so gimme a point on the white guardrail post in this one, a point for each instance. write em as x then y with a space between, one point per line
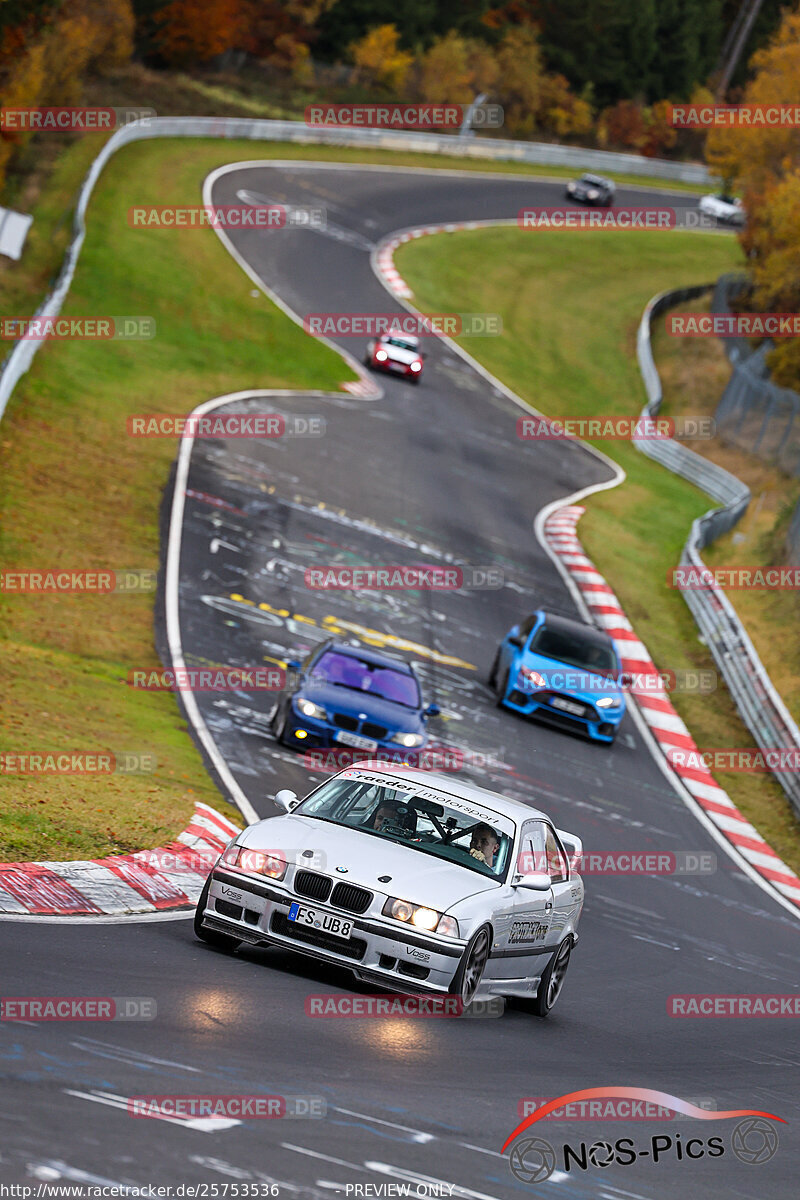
758 703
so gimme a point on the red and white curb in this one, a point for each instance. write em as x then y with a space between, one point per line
383 258
149 881
361 387
661 718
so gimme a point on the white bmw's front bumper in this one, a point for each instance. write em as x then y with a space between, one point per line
255 910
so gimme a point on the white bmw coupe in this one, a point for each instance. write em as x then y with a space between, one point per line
419 882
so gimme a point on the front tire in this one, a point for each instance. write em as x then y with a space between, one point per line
552 981
502 689
213 937
279 726
470 970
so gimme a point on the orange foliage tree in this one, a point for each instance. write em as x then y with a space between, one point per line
193 31
764 162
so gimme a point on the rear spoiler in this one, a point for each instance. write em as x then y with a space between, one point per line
574 848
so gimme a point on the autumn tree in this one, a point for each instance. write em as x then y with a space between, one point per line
194 31
519 58
446 76
378 59
280 32
764 163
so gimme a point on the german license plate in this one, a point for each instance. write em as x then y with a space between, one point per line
317 918
567 706
397 366
353 739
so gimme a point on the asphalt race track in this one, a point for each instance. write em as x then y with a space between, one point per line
428 474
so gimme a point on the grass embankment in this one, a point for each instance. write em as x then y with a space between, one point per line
570 307
694 373
77 492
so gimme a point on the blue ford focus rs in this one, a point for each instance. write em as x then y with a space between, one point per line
350 696
562 672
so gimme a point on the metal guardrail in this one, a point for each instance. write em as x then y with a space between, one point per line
491 149
758 703
755 413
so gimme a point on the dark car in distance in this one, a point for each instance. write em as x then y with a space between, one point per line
592 189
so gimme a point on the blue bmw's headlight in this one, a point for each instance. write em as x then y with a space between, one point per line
309 709
408 739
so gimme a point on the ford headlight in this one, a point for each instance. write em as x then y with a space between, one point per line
309 709
420 916
408 739
609 702
528 678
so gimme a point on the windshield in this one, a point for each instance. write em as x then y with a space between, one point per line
401 343
575 651
593 181
447 827
348 671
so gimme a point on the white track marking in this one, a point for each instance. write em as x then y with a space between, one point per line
201 1124
481 1149
122 1054
340 1162
418 1134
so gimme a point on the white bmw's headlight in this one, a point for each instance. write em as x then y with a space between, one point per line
309 709
408 739
609 702
420 916
271 863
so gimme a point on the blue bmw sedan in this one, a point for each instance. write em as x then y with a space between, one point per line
351 696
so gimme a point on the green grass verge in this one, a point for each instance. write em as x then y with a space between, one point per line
694 373
570 306
76 491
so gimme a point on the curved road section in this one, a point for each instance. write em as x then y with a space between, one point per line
431 474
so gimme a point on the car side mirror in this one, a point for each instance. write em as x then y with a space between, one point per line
536 881
625 680
432 710
293 664
286 799
515 638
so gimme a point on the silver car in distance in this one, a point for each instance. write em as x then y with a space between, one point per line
415 881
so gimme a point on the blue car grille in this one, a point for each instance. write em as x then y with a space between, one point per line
353 725
374 731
